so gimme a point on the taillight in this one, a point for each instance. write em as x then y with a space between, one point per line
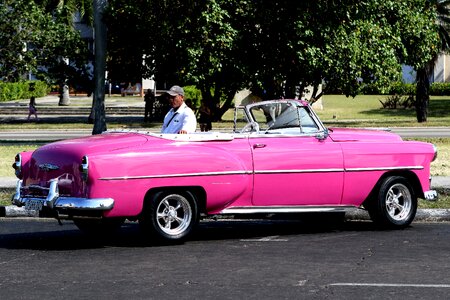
84 168
17 165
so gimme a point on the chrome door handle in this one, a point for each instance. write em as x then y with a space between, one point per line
259 146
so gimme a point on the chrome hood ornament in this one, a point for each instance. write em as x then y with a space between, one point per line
48 167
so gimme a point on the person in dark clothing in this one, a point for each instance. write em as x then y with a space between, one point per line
149 99
32 108
204 118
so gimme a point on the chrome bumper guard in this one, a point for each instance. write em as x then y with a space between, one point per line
54 201
431 195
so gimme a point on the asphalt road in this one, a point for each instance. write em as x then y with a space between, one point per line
412 132
226 259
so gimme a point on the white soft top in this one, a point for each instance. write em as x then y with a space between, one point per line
190 137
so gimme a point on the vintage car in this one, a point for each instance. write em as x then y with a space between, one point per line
278 159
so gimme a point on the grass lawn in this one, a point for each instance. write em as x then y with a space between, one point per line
7 154
366 111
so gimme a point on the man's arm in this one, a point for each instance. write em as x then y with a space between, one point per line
189 123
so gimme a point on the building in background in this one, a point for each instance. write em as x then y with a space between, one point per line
441 71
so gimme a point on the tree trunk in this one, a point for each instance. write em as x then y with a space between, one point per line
290 88
99 67
422 94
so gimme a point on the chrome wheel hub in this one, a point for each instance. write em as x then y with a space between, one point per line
399 202
174 214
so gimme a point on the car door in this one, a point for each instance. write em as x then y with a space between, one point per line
295 166
297 171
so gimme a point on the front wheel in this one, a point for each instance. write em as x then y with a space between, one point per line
395 205
171 216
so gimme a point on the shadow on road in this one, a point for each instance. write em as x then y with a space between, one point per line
49 236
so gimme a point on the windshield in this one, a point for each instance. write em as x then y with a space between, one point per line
283 117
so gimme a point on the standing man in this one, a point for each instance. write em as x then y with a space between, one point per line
149 99
180 118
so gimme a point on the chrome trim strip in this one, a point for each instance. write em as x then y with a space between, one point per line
299 171
48 167
261 172
179 175
384 168
283 209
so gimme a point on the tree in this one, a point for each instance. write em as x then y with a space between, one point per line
275 47
36 37
183 42
68 69
424 71
348 45
99 67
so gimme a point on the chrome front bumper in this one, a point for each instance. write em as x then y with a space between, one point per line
56 202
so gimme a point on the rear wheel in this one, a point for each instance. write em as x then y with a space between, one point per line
170 216
395 205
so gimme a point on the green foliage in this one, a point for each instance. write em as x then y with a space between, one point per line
35 41
276 48
401 88
440 89
441 11
193 94
21 90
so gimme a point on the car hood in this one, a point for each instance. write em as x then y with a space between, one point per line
106 142
361 135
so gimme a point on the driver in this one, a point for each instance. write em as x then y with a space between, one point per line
180 118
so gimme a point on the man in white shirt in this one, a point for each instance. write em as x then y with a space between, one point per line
180 118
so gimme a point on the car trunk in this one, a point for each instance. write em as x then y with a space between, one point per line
62 160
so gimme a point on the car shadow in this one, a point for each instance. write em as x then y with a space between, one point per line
68 237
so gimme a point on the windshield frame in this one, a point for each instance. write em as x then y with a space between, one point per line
321 129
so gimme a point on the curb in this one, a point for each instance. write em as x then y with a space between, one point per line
422 215
12 211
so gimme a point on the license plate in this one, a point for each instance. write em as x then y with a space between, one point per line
34 204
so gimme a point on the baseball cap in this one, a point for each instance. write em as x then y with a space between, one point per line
176 90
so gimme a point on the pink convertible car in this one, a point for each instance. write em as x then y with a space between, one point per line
279 159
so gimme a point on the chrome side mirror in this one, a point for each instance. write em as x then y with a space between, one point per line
322 135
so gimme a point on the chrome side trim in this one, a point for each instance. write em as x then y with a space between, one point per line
262 172
283 209
384 168
179 175
299 171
